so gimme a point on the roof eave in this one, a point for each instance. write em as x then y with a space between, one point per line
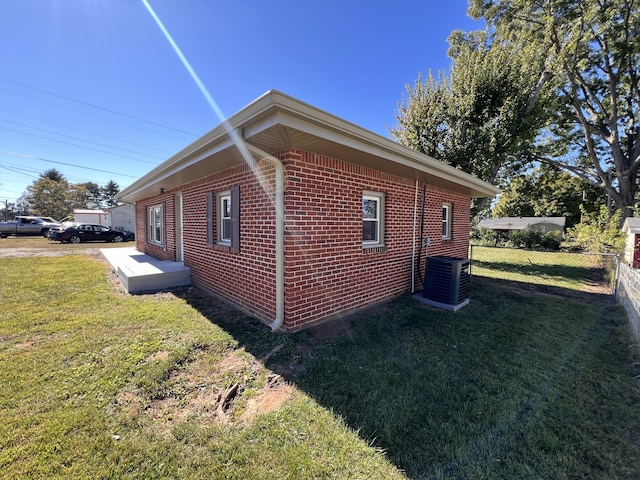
274 107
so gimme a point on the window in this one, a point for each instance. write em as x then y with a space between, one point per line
155 225
446 221
224 218
372 219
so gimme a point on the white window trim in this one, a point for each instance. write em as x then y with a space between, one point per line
446 221
379 198
151 225
220 197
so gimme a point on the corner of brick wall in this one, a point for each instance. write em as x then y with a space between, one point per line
327 271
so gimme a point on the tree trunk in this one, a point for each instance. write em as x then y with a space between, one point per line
628 185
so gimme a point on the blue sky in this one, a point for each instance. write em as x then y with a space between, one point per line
95 84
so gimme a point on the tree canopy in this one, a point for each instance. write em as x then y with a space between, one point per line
548 192
52 195
480 116
591 53
553 82
483 114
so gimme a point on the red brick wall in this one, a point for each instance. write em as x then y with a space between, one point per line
246 278
327 271
458 245
168 250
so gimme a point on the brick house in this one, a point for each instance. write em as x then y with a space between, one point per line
295 216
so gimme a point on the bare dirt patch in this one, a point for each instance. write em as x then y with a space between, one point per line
275 393
234 388
158 356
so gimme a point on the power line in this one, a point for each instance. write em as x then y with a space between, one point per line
81 102
9 191
22 155
79 139
92 115
97 134
32 173
37 173
21 171
78 146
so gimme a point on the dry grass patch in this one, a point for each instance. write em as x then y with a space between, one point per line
224 390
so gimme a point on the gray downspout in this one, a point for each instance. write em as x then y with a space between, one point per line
413 250
279 201
423 242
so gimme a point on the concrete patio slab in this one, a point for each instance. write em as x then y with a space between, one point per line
139 272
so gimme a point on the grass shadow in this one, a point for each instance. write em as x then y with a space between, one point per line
551 271
577 271
595 293
445 394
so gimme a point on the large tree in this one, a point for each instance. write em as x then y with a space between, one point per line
592 64
94 198
482 114
548 192
52 195
108 194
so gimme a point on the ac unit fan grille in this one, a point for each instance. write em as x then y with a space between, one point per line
446 280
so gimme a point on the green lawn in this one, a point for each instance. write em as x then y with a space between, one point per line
574 271
98 384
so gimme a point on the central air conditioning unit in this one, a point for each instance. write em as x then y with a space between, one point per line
446 282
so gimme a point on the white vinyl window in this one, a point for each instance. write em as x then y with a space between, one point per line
224 218
446 221
155 225
372 219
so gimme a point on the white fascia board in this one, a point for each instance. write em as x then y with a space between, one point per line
174 165
274 107
355 137
176 162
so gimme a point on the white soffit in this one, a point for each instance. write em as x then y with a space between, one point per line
276 121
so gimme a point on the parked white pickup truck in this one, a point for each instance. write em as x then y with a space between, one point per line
28 226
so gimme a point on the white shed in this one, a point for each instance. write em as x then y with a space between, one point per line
123 217
508 224
97 217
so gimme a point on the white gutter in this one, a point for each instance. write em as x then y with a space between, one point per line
279 204
275 108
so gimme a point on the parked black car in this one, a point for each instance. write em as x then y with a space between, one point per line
74 232
129 236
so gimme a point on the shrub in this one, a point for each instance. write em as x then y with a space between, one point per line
530 238
599 233
489 238
551 241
